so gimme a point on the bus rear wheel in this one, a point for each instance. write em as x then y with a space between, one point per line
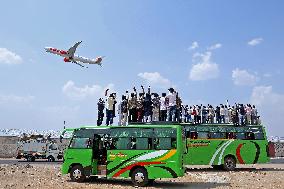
77 173
139 177
229 163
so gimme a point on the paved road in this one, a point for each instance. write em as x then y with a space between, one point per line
277 160
15 161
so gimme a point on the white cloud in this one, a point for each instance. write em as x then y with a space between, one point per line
243 77
204 68
215 46
267 75
271 108
5 99
255 41
80 93
193 46
9 57
155 78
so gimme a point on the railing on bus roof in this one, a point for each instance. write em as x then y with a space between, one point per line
155 123
221 124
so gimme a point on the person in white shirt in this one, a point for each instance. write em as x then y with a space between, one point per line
124 110
248 114
222 113
109 109
163 108
230 114
254 114
226 114
211 114
171 111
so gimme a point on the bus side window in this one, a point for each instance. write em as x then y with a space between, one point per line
187 134
132 144
193 135
80 143
143 143
230 135
123 143
202 135
216 135
164 143
173 143
259 136
250 136
240 136
113 144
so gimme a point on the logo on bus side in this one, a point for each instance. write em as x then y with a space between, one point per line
198 143
112 156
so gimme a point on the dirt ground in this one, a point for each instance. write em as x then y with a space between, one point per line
47 176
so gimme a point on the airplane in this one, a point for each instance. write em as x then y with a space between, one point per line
69 56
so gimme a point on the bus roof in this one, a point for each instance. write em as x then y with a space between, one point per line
160 124
131 126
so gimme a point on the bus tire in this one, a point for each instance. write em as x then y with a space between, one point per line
139 177
229 163
77 174
50 158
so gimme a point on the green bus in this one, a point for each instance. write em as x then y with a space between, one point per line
225 145
142 152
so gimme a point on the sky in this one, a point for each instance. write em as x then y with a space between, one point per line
209 51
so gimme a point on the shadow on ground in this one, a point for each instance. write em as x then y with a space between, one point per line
236 170
157 184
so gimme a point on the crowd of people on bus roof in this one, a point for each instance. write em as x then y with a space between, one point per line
147 107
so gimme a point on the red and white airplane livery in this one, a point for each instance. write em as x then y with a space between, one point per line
69 56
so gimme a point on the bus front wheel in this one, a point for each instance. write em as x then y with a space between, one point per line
77 173
139 177
229 163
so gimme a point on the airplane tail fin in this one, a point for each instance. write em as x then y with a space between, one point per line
99 60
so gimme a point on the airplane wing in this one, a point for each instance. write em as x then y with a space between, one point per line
72 50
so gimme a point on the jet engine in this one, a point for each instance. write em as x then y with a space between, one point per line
66 59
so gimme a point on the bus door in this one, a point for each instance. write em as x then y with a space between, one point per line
99 155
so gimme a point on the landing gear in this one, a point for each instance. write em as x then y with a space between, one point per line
78 64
